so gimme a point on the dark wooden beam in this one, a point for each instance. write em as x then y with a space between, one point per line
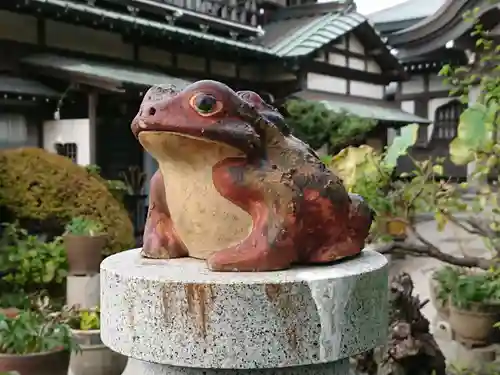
345 52
423 95
347 73
40 31
347 57
92 113
173 71
135 52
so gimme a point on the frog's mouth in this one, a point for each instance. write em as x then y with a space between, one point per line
238 135
171 146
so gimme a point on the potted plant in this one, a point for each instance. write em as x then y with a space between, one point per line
35 342
442 282
473 309
94 358
84 240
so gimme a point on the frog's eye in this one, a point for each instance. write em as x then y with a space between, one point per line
205 104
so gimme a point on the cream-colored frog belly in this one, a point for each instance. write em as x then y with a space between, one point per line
204 220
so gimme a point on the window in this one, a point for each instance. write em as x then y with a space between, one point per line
70 150
13 129
446 120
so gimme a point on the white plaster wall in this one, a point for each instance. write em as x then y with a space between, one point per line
414 86
436 83
69 131
373 67
367 90
355 45
336 59
321 82
355 63
408 106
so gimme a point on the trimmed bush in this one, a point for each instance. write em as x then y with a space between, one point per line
48 190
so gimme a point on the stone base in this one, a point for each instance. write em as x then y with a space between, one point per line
178 313
83 291
137 367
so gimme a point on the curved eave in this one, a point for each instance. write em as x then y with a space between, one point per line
433 43
448 15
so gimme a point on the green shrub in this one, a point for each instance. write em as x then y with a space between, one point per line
48 189
36 263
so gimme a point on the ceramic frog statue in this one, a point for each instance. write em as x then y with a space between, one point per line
236 188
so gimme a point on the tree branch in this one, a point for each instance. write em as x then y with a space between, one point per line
427 249
414 249
469 228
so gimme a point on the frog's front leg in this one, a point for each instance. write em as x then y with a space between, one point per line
258 251
160 240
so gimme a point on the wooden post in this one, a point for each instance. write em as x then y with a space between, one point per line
92 109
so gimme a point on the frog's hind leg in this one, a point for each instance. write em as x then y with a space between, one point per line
160 240
255 253
349 242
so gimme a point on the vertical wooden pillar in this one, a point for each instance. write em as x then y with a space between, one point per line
92 112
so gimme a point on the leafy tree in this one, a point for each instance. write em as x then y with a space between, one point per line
476 141
315 124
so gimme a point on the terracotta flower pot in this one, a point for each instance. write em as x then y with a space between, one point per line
396 228
95 358
473 325
393 227
442 307
49 363
84 253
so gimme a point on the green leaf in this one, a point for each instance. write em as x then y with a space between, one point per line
441 221
460 153
473 134
438 169
400 145
353 162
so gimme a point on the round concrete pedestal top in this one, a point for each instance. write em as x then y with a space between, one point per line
177 312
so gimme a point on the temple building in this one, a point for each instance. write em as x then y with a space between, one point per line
73 72
425 35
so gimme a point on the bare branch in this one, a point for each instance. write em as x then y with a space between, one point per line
414 249
469 228
427 249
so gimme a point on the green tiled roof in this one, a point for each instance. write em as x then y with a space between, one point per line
103 71
160 26
316 34
23 86
374 111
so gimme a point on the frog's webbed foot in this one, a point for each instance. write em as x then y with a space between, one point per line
160 240
256 252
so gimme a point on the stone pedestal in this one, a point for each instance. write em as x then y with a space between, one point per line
177 317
